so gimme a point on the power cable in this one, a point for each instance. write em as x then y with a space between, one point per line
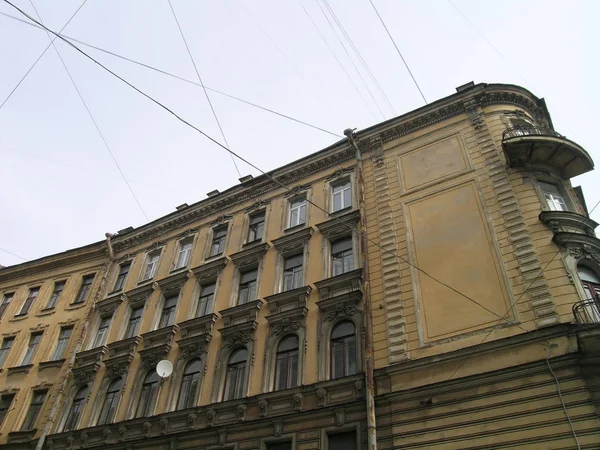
13 254
40 57
164 72
520 297
274 44
338 60
212 108
270 177
91 115
399 52
351 60
360 57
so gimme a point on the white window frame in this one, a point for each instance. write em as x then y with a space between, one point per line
340 182
180 249
148 260
553 196
290 209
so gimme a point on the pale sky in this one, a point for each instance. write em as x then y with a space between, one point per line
61 188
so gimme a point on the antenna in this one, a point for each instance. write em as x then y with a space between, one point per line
164 368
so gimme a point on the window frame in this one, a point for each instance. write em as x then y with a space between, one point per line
153 400
243 379
63 353
6 354
290 202
293 272
240 282
179 249
132 309
332 186
200 296
147 261
6 409
83 294
39 407
289 366
33 353
120 286
260 213
54 297
101 319
346 352
213 238
75 415
29 301
172 317
7 299
118 395
332 255
191 391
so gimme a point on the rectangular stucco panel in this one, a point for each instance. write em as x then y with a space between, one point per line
452 242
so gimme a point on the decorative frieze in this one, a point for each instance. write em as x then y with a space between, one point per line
250 256
110 304
209 272
157 344
87 364
293 243
138 296
340 226
174 283
120 354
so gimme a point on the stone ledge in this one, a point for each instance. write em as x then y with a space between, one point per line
19 369
51 364
209 271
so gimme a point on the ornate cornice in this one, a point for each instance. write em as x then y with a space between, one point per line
139 295
346 282
121 353
198 326
340 225
568 221
110 304
286 300
250 256
174 283
293 242
209 272
248 312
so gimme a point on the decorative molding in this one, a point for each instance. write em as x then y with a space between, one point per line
157 344
51 364
221 220
263 405
187 233
250 256
580 246
287 300
292 243
568 222
241 411
139 295
19 369
209 272
298 400
277 428
110 304
244 313
341 284
340 173
87 364
260 204
297 191
340 225
120 354
174 283
198 326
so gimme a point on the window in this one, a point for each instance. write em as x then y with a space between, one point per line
148 395
218 240
5 402
206 300
34 342
33 293
236 373
133 326
256 228
59 286
342 256
297 213
591 283
342 441
285 445
247 291
76 409
286 365
84 290
151 265
7 344
292 272
167 315
111 401
554 199
122 276
102 332
189 385
5 302
341 195
37 401
343 350
184 254
62 344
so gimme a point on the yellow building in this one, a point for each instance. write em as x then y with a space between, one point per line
429 282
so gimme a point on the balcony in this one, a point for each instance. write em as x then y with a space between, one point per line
544 146
587 312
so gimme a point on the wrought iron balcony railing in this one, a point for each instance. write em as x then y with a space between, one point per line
529 131
587 311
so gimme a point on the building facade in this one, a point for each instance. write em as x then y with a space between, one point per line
429 282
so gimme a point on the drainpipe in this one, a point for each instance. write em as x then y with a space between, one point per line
368 315
88 318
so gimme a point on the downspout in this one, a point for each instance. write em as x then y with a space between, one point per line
368 315
88 318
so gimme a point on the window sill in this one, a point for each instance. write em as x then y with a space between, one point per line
50 364
340 212
295 228
19 369
18 318
143 282
179 269
74 306
46 312
211 257
254 242
15 437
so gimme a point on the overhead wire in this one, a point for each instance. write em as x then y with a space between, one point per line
351 60
337 59
398 51
13 254
169 74
359 55
288 60
516 302
270 177
10 94
212 108
91 116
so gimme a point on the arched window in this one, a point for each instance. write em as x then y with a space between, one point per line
591 283
76 409
148 395
189 385
236 374
286 363
111 401
343 350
